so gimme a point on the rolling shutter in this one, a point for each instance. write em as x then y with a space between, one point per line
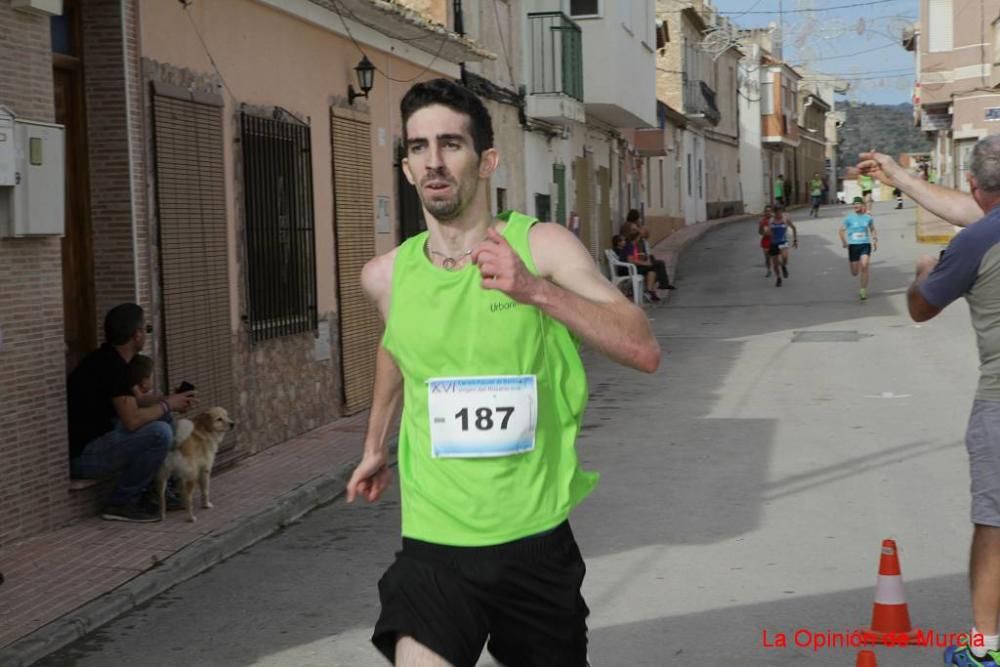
191 210
360 327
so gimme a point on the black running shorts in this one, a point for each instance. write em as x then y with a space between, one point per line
855 250
523 597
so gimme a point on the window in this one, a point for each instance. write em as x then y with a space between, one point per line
689 174
766 98
579 8
543 207
940 26
501 200
280 229
661 183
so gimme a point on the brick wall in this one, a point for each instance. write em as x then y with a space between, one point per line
110 169
32 404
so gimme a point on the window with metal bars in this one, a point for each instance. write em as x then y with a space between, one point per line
280 227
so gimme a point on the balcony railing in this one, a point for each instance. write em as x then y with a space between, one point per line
699 100
556 54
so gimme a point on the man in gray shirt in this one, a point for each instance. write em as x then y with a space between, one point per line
970 267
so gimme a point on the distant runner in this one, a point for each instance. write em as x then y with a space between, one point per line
778 250
815 194
779 190
866 183
765 237
858 235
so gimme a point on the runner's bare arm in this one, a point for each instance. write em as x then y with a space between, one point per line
371 477
573 291
958 208
843 237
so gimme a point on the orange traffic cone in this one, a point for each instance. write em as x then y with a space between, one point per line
866 659
890 616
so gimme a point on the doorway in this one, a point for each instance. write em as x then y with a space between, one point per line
79 301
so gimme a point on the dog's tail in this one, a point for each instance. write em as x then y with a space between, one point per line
182 431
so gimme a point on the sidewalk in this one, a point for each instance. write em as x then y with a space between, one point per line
64 584
670 248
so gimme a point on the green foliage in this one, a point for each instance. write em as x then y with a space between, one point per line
888 128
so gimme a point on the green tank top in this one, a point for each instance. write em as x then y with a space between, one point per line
443 324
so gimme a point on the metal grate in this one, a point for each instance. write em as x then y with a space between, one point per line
828 336
280 227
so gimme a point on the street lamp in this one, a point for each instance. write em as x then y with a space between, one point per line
366 77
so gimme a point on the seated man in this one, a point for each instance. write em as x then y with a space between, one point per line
110 430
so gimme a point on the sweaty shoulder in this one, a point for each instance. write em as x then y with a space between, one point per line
552 244
376 280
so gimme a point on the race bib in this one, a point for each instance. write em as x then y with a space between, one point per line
476 417
859 236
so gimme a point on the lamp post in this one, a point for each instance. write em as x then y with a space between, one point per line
366 77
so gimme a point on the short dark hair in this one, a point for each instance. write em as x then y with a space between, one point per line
121 323
616 238
140 368
632 216
456 97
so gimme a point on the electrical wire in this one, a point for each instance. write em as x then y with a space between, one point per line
821 9
207 52
444 40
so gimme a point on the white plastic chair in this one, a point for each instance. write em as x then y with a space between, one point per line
632 275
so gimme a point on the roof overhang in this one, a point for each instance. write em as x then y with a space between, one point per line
402 23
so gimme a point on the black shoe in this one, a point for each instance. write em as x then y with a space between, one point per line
784 270
153 504
670 287
778 284
132 513
653 296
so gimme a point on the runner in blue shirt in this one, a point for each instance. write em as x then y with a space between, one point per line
858 235
777 230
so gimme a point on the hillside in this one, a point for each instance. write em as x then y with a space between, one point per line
887 128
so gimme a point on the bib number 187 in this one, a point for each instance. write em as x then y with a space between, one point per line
483 420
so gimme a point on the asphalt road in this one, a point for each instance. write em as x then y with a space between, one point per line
746 486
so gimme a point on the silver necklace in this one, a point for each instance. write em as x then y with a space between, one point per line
447 262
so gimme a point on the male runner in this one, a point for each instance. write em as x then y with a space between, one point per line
779 190
867 184
815 194
858 236
765 237
778 250
482 320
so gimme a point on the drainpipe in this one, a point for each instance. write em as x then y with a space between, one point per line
456 9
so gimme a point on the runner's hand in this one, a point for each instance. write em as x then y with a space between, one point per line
502 269
795 243
880 166
370 478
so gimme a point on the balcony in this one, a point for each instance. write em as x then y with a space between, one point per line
555 84
699 103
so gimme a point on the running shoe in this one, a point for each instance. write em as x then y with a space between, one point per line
863 293
653 296
963 657
778 284
784 270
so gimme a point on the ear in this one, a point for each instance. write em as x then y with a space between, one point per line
406 171
488 162
204 421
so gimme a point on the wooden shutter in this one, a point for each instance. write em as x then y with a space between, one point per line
354 227
191 209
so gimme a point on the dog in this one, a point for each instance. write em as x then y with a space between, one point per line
192 456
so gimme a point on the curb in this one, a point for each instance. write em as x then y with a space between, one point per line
186 563
673 251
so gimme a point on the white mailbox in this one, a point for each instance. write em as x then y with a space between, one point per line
35 204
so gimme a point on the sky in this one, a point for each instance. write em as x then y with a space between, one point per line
832 41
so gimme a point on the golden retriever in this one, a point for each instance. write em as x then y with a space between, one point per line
191 458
